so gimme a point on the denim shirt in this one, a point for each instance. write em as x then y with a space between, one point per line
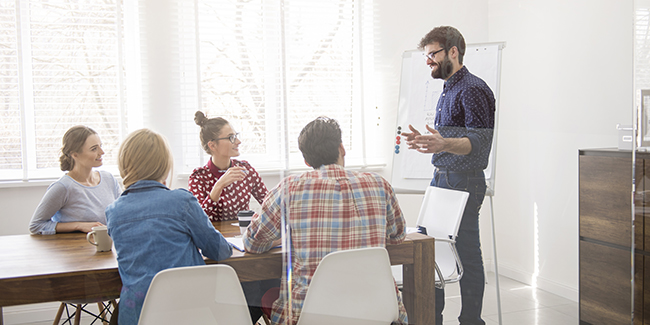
155 228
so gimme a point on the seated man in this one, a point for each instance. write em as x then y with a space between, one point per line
328 209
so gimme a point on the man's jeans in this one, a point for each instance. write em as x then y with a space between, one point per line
468 245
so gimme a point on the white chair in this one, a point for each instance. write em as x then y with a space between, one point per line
351 287
441 213
209 294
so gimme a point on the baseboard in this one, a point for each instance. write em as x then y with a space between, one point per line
542 283
30 313
45 312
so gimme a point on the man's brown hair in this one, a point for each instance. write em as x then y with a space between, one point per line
319 142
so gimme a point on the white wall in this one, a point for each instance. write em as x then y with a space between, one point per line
566 81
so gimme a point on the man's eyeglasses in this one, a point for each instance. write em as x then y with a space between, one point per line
232 138
431 55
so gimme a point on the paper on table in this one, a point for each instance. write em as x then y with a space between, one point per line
236 243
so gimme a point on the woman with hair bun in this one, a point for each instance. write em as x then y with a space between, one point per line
224 185
76 201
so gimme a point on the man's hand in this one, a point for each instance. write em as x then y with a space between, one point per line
429 143
410 137
435 143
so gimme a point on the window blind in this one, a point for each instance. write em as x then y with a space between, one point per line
62 67
10 127
270 67
75 73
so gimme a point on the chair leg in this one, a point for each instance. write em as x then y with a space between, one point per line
77 315
114 313
57 319
102 312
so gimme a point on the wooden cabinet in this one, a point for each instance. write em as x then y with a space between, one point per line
605 212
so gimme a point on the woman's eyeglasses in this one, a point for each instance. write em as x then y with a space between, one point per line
232 138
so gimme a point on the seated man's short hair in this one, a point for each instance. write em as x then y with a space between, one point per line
319 142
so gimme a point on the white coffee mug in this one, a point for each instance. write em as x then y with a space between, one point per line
100 238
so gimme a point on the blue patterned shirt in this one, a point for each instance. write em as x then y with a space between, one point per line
465 109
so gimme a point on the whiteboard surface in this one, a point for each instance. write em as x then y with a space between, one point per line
419 93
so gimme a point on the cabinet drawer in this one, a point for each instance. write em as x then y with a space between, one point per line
605 296
605 199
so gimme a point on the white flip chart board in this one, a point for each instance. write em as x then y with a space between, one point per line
418 96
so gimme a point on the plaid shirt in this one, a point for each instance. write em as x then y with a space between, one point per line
330 209
234 198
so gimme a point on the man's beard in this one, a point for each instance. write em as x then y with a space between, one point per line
444 69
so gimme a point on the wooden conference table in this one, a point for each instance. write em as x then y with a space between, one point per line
35 269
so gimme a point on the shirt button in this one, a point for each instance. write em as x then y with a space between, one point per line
443 95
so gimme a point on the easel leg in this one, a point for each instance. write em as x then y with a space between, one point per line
496 264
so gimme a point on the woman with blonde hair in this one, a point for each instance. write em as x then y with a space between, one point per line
224 185
155 228
76 201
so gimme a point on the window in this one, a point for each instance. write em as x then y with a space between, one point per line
61 66
270 67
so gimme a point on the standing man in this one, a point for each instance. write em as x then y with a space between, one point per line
460 144
328 209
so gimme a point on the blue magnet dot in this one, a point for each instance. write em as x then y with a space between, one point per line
396 150
397 147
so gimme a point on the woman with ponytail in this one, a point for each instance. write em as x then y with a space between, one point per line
224 185
76 201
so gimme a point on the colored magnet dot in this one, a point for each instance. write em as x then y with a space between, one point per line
397 137
398 142
397 147
399 132
396 150
399 127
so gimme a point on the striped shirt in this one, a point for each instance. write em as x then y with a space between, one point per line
329 209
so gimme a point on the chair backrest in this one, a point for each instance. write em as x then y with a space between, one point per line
351 287
206 294
441 213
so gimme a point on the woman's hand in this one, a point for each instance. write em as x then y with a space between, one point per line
233 174
77 226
